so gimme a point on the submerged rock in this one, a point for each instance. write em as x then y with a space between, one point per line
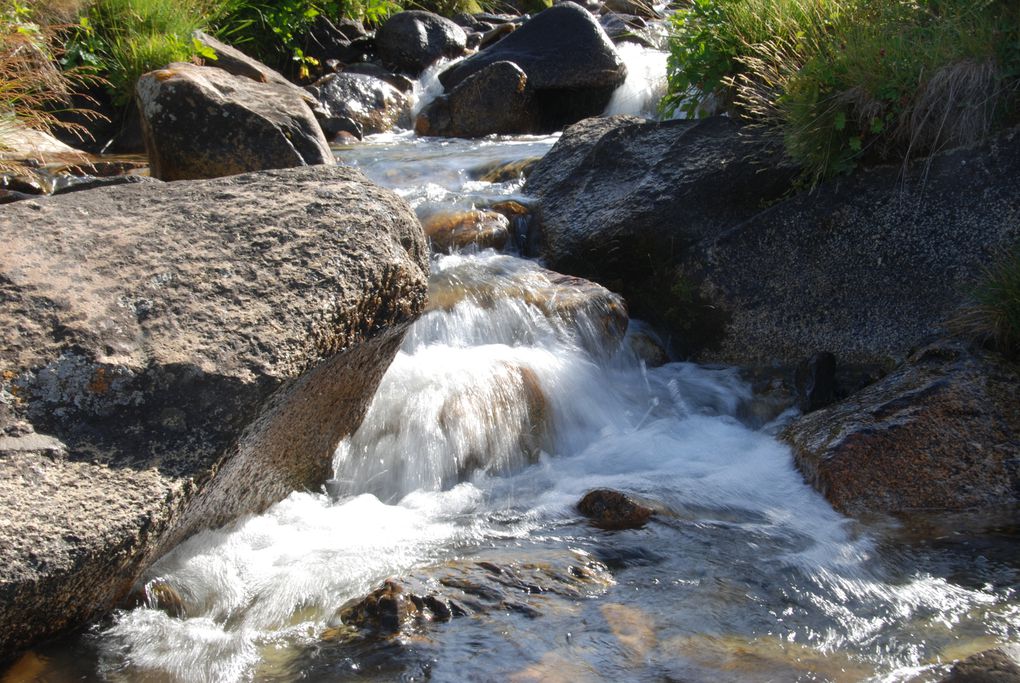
410 41
408 605
572 67
613 510
448 232
942 432
176 355
202 122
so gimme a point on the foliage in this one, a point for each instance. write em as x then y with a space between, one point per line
994 315
32 87
122 39
847 81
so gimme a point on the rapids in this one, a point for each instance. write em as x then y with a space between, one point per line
746 573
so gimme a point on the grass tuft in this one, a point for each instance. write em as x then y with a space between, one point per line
993 317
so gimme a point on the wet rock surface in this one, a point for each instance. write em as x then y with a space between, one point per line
359 104
413 604
448 232
1001 665
623 202
177 355
941 432
613 510
410 41
494 100
572 67
202 122
596 316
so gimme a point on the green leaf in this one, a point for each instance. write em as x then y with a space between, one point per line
855 144
840 122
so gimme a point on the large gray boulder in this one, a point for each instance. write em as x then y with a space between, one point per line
622 201
410 41
176 355
865 267
202 122
941 432
572 66
698 225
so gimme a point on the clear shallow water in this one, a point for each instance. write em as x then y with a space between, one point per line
496 417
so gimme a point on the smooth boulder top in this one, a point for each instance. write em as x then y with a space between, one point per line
410 41
203 122
561 48
176 355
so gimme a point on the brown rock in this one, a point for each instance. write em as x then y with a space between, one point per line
202 122
458 230
941 432
175 355
613 510
991 666
372 104
495 100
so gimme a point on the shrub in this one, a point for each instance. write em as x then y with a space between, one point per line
32 88
994 315
846 81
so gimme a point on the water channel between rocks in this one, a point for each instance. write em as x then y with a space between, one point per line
498 414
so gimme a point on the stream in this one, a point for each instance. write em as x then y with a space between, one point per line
498 414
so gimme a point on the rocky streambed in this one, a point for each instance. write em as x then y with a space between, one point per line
253 430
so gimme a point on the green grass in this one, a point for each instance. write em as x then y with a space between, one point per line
851 81
994 315
32 88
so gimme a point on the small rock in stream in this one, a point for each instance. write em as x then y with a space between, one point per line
612 510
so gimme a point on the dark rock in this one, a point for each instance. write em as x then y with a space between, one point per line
448 232
493 100
815 381
202 122
474 40
621 29
176 355
327 40
866 267
941 432
571 65
401 83
10 196
373 105
623 201
990 666
410 41
613 510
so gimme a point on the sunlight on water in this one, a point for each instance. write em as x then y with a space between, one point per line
645 85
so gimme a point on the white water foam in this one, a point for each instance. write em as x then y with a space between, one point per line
645 85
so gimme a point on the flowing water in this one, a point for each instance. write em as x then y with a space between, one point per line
500 411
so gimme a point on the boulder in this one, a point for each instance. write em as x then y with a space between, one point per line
941 432
638 8
1001 665
579 308
571 65
622 201
401 83
495 100
612 510
235 62
371 104
458 230
176 355
410 41
202 122
865 267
